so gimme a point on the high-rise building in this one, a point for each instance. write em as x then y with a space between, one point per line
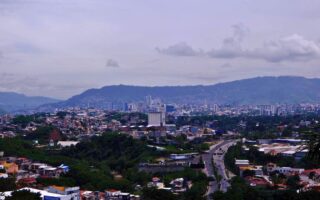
215 108
156 119
149 100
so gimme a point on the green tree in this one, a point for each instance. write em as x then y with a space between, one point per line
155 194
294 182
23 120
41 134
218 195
246 173
25 195
312 175
313 144
7 184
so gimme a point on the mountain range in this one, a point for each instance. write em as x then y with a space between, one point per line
259 90
12 102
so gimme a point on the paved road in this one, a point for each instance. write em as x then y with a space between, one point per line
207 158
220 147
218 159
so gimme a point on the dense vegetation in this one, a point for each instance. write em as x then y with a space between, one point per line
155 194
95 163
255 127
25 195
91 162
7 184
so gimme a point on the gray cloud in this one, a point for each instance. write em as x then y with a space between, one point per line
290 48
31 85
231 46
240 31
179 49
19 83
226 65
229 50
112 63
152 61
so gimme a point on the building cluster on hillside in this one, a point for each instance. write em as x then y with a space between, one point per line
261 176
176 186
74 193
26 173
74 125
285 147
84 122
154 104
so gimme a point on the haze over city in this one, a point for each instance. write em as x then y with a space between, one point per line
159 100
60 48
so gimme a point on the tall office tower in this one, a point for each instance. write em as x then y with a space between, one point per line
133 107
163 113
215 108
156 119
149 100
273 110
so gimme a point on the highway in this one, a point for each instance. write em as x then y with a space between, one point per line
218 158
207 158
220 147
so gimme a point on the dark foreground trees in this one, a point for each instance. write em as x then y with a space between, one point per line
25 195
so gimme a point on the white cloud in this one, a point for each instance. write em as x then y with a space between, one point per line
291 48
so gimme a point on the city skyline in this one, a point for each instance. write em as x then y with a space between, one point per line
61 48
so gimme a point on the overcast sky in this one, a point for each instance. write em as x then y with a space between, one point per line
59 48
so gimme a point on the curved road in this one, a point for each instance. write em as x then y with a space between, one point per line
220 147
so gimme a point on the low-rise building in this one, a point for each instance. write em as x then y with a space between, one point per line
45 195
73 192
